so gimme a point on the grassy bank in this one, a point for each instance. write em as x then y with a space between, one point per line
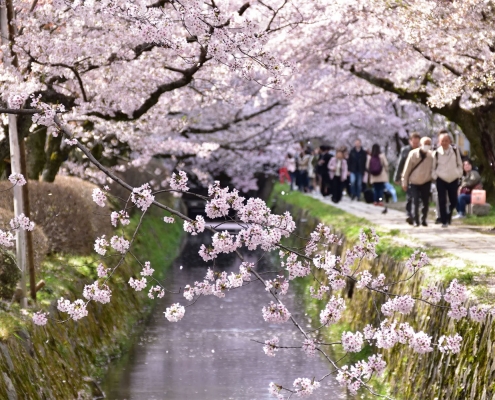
65 360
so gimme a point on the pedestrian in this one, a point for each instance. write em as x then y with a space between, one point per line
357 167
311 171
471 180
447 170
304 164
323 170
337 169
377 167
417 178
290 165
414 139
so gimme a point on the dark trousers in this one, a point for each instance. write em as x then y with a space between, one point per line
420 192
462 201
303 181
337 187
325 184
378 189
446 189
409 201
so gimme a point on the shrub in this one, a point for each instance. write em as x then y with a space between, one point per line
65 211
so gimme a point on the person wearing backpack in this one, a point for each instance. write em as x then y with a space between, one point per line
377 167
417 178
447 170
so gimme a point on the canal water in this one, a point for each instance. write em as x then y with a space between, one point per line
210 355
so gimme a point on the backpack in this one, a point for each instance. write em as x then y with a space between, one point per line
375 166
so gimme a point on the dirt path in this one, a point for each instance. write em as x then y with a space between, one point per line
464 243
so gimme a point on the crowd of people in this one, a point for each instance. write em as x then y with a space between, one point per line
422 172
335 172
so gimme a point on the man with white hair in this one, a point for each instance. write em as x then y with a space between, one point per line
447 169
417 177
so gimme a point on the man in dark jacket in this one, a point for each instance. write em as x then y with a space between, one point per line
414 139
357 166
322 170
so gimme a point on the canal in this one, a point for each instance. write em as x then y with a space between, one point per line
210 354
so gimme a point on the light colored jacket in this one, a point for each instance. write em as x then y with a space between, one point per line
414 172
383 177
447 165
304 162
332 167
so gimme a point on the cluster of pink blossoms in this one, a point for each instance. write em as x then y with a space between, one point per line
305 386
320 293
21 222
142 197
101 245
147 270
280 285
456 294
158 290
332 311
40 318
352 378
138 284
323 236
276 313
168 220
431 294
452 344
195 227
17 179
97 293
121 217
6 239
271 346
99 197
102 271
389 334
401 304
179 182
16 101
309 347
295 267
119 244
175 312
414 264
76 310
47 112
352 342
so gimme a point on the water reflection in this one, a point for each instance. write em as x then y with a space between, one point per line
209 355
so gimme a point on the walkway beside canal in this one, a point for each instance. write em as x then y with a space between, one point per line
467 244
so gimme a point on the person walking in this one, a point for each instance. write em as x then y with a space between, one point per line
290 165
470 180
357 167
323 170
377 167
417 178
447 169
337 168
304 164
414 139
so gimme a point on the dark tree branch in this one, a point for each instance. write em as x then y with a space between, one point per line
227 125
429 58
154 97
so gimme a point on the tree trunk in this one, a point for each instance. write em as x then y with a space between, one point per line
55 156
36 157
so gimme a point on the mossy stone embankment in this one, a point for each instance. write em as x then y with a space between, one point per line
65 360
409 376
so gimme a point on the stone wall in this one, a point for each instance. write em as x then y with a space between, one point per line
410 376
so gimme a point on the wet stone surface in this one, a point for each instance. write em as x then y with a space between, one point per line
210 354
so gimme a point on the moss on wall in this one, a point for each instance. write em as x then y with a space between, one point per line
65 360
